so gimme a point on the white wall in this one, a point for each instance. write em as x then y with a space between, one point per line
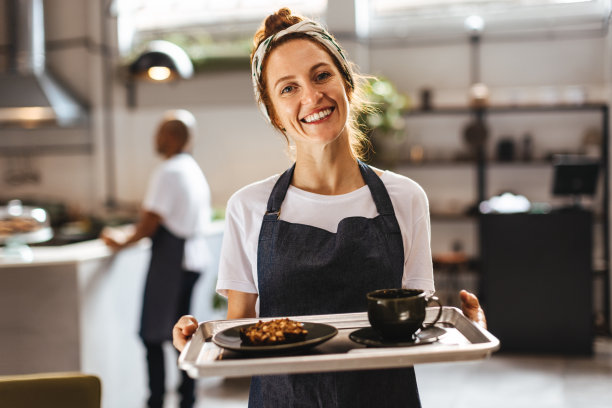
235 146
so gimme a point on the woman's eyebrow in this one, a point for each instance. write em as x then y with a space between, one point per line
281 79
319 65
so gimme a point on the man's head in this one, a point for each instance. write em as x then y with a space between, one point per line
175 133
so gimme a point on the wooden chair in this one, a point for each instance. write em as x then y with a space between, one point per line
50 390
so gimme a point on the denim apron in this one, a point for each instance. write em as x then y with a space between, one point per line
165 284
303 270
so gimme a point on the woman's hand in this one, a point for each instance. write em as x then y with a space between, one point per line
471 308
183 330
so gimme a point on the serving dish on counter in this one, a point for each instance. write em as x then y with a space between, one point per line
22 225
458 339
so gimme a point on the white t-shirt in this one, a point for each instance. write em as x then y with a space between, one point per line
178 192
245 210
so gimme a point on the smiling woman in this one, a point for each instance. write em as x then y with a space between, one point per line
345 228
309 104
280 86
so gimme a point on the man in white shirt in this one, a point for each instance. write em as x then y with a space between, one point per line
175 214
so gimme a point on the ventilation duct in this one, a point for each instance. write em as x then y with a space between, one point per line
29 95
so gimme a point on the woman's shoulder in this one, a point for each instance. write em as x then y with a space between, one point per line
407 195
253 195
400 184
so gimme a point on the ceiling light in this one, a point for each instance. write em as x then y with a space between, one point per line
162 61
474 24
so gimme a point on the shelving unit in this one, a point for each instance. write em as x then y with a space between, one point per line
481 168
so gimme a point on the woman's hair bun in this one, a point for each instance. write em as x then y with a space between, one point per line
279 21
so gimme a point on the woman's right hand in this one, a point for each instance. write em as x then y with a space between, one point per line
183 330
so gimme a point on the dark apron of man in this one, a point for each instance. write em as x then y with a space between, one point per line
168 287
304 270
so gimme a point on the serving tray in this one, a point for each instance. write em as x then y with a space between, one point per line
462 340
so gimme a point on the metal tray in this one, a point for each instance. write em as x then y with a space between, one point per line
463 340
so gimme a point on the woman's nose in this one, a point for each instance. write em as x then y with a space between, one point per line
311 95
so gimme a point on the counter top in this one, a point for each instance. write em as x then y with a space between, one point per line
78 252
70 253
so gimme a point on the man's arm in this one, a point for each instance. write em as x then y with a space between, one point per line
146 227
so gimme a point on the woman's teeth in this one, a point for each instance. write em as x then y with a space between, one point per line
318 116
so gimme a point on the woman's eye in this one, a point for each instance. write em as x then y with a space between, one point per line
323 76
287 89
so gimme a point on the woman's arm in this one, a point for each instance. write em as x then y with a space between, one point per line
240 304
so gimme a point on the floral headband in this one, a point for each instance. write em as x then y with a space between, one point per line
313 30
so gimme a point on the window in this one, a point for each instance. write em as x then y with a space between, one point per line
215 34
431 19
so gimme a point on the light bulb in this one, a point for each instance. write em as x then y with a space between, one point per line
474 24
159 73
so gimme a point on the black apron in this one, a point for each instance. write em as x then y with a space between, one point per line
303 270
166 286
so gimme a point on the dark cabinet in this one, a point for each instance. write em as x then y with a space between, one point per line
454 218
536 280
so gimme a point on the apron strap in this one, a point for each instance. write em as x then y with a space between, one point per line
278 194
378 190
381 197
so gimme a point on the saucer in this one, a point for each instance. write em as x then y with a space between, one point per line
370 337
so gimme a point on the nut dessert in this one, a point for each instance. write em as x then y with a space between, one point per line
273 332
18 225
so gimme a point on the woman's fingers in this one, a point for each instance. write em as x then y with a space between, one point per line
470 306
183 330
469 299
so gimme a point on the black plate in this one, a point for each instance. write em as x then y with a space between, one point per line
317 334
370 337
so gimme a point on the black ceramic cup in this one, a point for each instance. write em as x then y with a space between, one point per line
397 314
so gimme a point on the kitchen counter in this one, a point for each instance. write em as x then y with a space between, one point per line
55 255
77 308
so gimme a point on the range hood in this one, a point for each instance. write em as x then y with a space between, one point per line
29 95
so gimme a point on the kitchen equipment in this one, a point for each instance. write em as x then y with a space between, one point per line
22 225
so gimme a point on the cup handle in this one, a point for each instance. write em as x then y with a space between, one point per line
434 299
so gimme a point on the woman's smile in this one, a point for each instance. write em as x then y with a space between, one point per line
318 117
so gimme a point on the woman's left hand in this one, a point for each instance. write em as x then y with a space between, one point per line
471 308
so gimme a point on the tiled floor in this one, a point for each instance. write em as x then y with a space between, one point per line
521 381
503 381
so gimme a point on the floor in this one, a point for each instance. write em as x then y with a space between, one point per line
502 381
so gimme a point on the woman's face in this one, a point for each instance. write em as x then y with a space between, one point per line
307 92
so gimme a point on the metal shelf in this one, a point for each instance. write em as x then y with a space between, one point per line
503 109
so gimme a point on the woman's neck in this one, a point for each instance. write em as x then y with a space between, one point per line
328 171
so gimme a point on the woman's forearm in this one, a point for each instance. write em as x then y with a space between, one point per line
240 304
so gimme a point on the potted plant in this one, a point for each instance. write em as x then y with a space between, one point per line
384 121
